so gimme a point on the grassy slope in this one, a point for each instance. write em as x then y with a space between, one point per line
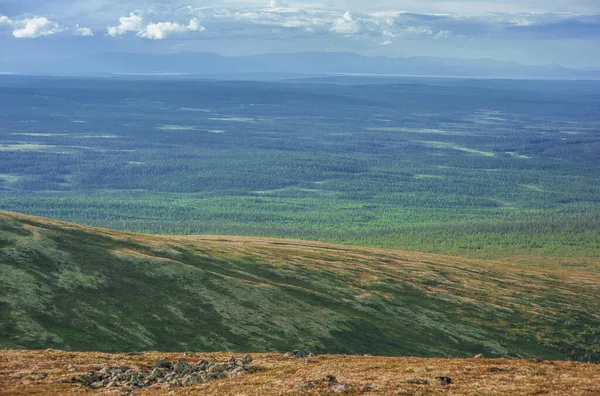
72 287
276 374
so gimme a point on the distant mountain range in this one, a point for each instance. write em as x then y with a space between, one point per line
283 66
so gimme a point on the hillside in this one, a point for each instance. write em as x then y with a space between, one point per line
78 288
55 372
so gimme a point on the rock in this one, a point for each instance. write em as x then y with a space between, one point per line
416 381
445 380
163 363
478 356
202 365
155 374
296 354
192 379
340 388
40 376
86 379
237 372
247 359
96 385
72 367
366 388
217 368
309 384
181 367
330 378
217 375
164 374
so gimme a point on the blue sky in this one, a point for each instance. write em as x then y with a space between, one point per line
566 32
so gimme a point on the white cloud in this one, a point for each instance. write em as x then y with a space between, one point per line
442 34
37 27
83 31
132 23
159 31
276 20
346 24
4 20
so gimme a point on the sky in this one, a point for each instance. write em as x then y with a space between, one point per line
565 32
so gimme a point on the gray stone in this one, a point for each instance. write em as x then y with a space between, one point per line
340 388
305 385
163 363
181 367
247 359
445 380
96 385
192 379
217 368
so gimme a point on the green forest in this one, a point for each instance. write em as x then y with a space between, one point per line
470 168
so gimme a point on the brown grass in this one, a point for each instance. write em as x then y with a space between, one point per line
20 375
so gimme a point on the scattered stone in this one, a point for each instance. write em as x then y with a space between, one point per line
330 378
164 374
40 376
537 360
217 368
445 380
192 379
417 381
72 367
247 359
366 388
296 354
183 368
163 363
96 385
340 388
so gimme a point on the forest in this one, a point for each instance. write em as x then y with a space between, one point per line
470 167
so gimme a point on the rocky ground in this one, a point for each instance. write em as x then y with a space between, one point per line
70 373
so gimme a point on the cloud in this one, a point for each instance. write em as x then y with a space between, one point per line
277 20
4 20
346 24
83 31
152 31
159 31
132 23
37 27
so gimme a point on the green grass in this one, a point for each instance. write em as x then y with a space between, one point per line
76 288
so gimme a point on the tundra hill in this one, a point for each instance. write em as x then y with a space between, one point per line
71 287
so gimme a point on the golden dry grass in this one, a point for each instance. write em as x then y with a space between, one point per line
277 374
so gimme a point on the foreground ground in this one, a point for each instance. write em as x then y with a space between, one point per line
50 372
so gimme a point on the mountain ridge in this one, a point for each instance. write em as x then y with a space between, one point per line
303 63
